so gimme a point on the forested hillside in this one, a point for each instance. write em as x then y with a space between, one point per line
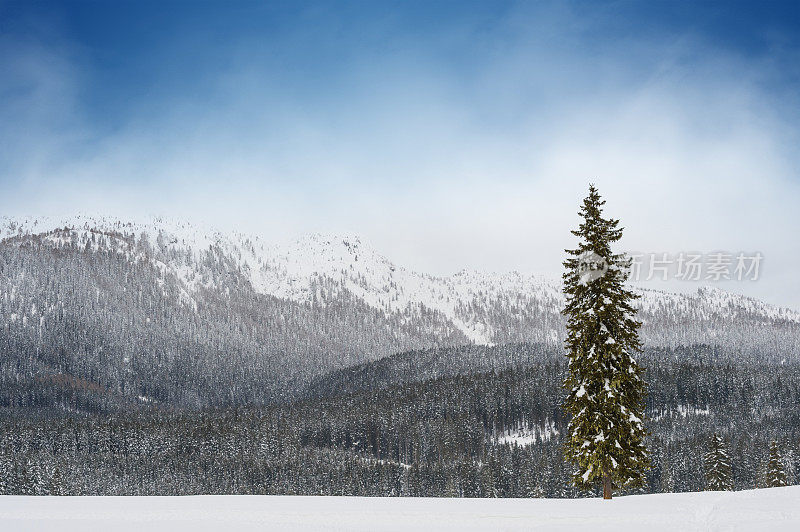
98 329
496 433
101 315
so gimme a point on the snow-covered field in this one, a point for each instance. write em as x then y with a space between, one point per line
766 509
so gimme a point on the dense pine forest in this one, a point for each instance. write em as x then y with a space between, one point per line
452 434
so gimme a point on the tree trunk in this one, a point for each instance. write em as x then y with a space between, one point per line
606 486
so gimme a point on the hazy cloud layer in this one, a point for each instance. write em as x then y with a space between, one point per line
466 147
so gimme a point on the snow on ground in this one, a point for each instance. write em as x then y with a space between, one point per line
523 437
766 509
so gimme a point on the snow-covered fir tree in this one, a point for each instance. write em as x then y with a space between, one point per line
605 387
776 474
718 466
56 486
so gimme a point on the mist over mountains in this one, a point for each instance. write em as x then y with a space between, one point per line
99 314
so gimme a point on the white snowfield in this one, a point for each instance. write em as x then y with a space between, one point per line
759 510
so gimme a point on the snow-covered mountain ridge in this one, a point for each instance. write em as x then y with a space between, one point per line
486 307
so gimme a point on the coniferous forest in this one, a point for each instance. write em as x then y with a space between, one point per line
443 436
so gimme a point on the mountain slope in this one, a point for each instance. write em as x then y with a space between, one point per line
167 312
485 307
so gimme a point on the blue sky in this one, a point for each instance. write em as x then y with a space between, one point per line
450 134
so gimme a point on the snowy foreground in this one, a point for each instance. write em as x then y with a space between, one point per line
766 509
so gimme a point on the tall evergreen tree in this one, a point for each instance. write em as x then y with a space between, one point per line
776 475
56 486
605 389
718 466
